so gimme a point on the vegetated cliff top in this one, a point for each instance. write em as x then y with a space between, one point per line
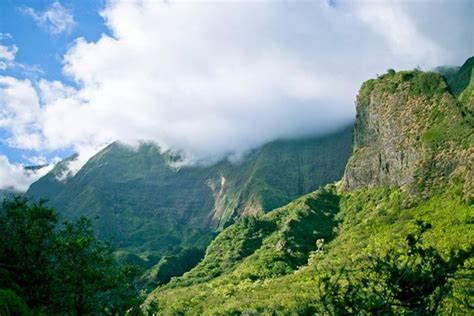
411 132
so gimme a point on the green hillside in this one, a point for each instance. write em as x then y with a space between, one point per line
143 204
461 83
274 274
394 236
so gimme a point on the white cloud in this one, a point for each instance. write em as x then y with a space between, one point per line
56 19
212 79
20 113
15 177
7 55
398 30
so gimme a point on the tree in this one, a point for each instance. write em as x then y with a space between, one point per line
414 280
26 248
58 268
84 268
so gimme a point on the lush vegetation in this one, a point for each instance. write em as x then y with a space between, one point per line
412 279
377 235
53 268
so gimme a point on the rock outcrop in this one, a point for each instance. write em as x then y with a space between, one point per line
410 132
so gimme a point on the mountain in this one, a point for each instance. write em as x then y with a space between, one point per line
394 236
144 203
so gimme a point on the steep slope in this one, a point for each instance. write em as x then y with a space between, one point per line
292 259
144 204
461 83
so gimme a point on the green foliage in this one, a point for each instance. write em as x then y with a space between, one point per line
369 247
90 280
28 241
58 268
11 304
366 89
460 80
413 280
427 84
173 264
228 249
299 226
433 135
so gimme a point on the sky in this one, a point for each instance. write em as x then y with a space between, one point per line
207 79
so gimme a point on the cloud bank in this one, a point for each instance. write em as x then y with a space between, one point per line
213 79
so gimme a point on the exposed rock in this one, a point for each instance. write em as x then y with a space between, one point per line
410 132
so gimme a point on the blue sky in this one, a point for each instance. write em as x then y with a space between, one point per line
38 46
41 51
208 79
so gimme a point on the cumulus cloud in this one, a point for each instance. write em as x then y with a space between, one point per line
56 19
16 177
213 79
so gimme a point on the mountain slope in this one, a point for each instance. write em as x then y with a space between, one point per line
290 259
461 83
144 204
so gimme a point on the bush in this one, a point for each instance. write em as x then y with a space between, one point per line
413 281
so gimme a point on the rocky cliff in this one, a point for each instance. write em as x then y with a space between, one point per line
410 132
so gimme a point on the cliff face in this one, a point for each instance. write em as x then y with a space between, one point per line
410 132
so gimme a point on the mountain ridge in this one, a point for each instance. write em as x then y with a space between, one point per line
144 204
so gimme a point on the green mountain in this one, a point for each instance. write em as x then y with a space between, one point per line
146 204
395 236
